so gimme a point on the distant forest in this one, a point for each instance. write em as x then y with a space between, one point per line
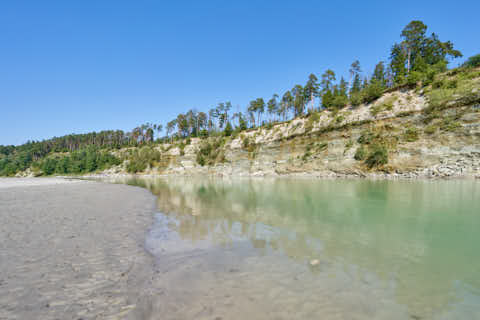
413 61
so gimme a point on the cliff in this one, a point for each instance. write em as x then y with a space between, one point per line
425 132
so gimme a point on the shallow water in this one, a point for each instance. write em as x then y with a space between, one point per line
303 249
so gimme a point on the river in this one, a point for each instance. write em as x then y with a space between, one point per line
305 248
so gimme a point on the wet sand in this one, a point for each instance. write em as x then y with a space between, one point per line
72 249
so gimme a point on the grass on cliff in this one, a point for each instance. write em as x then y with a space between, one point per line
386 105
459 87
410 134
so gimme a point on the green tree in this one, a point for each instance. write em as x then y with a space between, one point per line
379 74
327 80
372 91
355 72
298 100
228 130
327 88
272 106
252 109
413 38
311 90
340 97
287 103
91 161
472 62
48 166
260 108
397 64
171 127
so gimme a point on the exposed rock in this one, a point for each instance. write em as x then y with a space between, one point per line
314 262
326 147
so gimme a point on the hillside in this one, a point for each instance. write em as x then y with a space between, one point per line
426 132
412 117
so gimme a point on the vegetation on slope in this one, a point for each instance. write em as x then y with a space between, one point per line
418 61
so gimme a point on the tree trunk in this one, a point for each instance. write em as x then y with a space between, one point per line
408 60
312 101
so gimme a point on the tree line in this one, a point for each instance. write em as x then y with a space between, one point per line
417 58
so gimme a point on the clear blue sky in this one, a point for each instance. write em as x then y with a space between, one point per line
81 66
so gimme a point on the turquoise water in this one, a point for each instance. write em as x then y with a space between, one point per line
335 249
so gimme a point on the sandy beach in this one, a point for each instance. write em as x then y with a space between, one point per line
72 249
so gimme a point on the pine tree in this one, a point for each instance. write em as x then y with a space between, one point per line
354 71
379 74
397 64
299 100
272 106
311 89
414 37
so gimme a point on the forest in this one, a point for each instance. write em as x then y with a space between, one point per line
413 62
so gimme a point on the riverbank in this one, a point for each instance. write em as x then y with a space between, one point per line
72 249
427 174
406 139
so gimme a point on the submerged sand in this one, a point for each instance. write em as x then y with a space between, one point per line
72 249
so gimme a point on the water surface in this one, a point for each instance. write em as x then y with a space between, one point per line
304 249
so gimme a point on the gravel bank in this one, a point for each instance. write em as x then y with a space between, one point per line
72 249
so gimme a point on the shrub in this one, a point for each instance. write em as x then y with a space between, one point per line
372 92
366 137
450 124
378 156
355 99
430 129
136 165
209 153
349 144
200 159
339 119
203 133
360 154
228 130
438 84
245 142
414 78
141 159
339 101
306 155
472 62
451 84
411 134
314 117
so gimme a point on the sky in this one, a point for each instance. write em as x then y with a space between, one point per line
81 66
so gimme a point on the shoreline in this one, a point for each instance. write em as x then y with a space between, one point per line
73 248
331 176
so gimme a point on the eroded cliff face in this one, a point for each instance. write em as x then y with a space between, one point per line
425 133
415 143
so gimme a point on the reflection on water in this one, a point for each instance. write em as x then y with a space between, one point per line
384 249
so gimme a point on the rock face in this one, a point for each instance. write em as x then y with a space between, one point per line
417 142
